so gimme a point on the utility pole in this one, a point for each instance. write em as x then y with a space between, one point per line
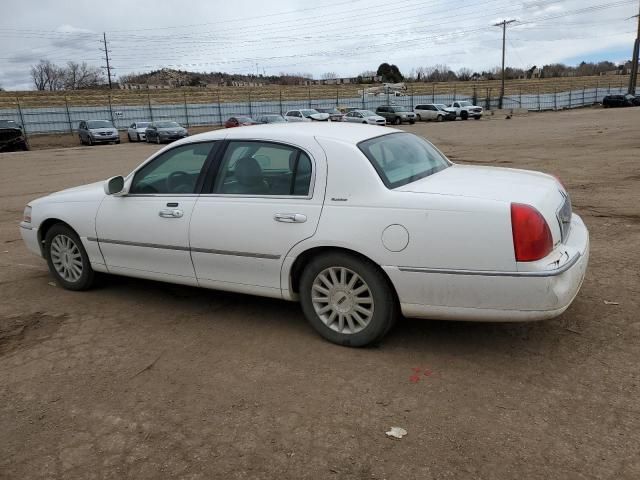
106 56
634 61
503 24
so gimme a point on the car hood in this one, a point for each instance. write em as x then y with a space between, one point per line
171 129
319 116
103 130
83 193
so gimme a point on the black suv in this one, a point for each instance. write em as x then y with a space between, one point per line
396 114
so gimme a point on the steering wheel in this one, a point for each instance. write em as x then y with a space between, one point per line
178 182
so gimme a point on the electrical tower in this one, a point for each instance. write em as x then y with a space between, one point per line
503 24
108 67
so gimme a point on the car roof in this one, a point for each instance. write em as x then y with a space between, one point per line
298 132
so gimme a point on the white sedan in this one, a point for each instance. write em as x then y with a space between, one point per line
358 223
364 116
137 131
306 115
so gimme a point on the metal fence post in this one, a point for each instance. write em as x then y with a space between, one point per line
24 125
149 103
66 104
597 85
520 96
454 92
363 105
539 98
281 101
411 97
583 87
250 109
111 112
433 93
570 96
219 110
487 100
475 95
609 88
555 98
337 96
186 110
309 94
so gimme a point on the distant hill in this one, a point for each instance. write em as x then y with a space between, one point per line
182 78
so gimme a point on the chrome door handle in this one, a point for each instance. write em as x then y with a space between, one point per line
290 217
171 213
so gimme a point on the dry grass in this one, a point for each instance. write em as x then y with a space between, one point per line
34 99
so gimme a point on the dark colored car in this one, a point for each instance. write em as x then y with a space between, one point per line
165 131
239 122
12 137
396 114
97 131
271 118
613 101
335 115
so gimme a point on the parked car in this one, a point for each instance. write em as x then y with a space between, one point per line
306 115
613 101
137 131
97 131
12 137
270 118
364 116
396 114
465 109
239 121
431 111
271 210
335 115
165 131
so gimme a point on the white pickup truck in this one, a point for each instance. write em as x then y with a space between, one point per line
465 109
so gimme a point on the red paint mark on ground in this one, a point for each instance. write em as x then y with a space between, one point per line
414 378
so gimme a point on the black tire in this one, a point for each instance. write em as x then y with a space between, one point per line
81 139
364 122
418 117
411 122
117 142
129 137
464 115
90 141
158 139
86 278
439 118
138 137
477 117
397 121
385 310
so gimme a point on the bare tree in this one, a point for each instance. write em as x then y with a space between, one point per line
47 76
329 76
464 74
81 75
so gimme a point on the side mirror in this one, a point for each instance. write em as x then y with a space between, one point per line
114 185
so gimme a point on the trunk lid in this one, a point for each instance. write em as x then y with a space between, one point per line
508 185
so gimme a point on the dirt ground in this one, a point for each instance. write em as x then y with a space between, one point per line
143 380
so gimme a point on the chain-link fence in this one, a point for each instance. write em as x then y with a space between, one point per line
62 116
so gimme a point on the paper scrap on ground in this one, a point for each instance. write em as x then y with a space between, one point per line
607 302
396 432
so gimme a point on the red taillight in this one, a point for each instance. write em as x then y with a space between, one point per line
531 235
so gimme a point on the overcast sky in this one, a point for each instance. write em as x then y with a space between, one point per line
341 36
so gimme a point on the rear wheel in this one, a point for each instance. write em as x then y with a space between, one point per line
397 121
138 137
347 300
67 259
439 118
464 115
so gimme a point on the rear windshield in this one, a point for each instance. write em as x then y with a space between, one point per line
401 158
99 124
167 125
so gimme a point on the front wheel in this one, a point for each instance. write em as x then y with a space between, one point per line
348 301
478 117
439 118
138 137
464 115
67 259
397 121
418 117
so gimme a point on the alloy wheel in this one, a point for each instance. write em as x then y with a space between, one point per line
342 300
66 258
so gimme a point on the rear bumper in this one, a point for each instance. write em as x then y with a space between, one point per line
495 296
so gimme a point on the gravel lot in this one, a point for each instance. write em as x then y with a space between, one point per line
138 379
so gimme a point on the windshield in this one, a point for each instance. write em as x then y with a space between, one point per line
8 124
440 106
142 124
465 104
273 119
244 119
308 113
167 125
368 113
401 158
99 124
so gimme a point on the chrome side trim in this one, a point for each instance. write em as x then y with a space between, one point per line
236 254
491 273
186 249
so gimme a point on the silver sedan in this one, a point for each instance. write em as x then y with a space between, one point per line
364 116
